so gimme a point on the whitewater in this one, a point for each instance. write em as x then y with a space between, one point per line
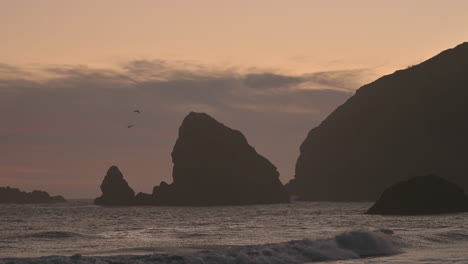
300 232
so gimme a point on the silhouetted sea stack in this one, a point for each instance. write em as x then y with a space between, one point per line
411 122
421 195
215 165
14 195
115 190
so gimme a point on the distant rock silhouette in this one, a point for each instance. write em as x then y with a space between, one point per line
115 190
144 199
412 122
14 195
421 195
215 165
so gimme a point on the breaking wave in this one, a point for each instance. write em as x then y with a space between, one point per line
349 245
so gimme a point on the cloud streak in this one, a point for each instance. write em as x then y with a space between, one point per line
72 120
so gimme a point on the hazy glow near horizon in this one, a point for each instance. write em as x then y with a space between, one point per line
101 57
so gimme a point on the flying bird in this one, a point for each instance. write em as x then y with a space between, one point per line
137 111
130 126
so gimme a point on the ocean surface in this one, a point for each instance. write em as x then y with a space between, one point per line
301 232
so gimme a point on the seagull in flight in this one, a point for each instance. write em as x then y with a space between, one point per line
137 111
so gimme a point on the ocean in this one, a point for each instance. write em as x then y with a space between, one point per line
300 232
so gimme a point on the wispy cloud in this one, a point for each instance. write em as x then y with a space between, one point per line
187 84
15 170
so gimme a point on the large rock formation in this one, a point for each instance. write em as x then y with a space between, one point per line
214 165
115 190
412 122
13 195
421 195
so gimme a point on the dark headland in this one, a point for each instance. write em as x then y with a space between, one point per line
411 122
14 195
213 165
421 195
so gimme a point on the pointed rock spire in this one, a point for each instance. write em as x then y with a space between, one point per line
115 190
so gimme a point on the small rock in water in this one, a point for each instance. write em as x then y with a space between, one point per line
428 194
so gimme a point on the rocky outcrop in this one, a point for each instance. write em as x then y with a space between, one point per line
144 199
421 195
412 122
13 195
115 190
215 165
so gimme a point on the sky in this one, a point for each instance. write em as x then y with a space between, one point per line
72 72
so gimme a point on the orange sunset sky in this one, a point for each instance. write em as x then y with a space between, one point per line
72 72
